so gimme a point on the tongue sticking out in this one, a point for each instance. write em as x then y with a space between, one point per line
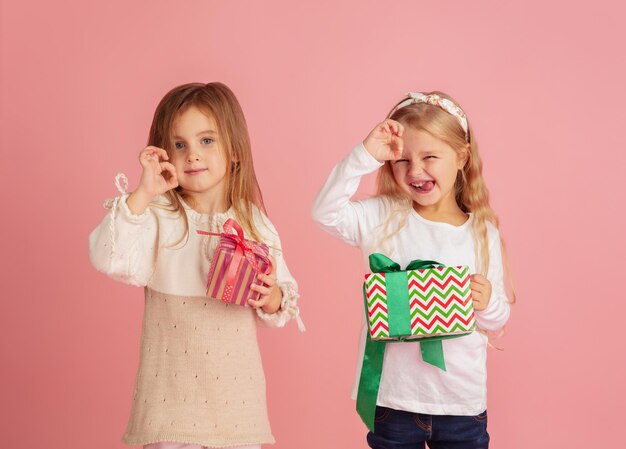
426 186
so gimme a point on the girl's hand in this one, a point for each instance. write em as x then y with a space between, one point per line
152 182
384 143
481 291
271 294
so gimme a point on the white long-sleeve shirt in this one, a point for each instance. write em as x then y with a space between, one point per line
407 382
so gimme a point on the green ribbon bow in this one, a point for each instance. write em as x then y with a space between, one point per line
399 328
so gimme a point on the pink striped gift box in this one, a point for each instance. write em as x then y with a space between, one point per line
235 265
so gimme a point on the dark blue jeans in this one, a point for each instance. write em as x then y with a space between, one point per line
396 429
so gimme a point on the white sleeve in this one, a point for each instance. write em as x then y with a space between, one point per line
495 316
124 245
332 208
285 281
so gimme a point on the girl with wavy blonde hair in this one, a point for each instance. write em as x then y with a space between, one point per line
432 204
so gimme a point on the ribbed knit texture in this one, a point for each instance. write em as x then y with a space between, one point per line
200 378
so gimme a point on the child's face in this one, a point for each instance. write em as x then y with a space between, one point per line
197 154
427 170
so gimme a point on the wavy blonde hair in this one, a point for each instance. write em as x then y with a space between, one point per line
470 189
219 102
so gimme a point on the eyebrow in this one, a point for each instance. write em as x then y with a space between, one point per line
427 152
421 153
206 131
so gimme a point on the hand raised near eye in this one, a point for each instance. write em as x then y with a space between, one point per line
384 142
157 177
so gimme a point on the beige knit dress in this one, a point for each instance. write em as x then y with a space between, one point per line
200 377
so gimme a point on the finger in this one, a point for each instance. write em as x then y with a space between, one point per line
146 155
395 127
397 145
257 303
168 171
479 278
390 122
150 150
263 290
166 166
172 182
266 279
156 149
478 305
162 153
477 288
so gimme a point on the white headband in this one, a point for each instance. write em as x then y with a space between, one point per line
447 105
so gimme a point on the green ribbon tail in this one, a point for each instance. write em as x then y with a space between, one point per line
369 382
432 352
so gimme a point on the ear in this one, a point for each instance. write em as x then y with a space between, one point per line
234 158
463 155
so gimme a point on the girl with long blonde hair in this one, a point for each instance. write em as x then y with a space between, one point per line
432 204
200 381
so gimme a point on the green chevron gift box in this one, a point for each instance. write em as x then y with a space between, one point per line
425 300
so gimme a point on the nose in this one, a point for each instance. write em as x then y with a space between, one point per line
416 168
192 154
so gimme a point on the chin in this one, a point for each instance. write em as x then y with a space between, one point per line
424 202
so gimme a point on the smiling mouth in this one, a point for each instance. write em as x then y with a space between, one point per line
423 186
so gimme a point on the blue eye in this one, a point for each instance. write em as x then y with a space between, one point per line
207 141
179 145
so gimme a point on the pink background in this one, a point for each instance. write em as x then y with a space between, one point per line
542 83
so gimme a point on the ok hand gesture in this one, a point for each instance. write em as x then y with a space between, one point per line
152 182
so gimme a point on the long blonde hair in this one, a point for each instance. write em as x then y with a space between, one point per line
217 101
470 189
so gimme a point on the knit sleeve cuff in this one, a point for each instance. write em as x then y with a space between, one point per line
127 215
288 308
